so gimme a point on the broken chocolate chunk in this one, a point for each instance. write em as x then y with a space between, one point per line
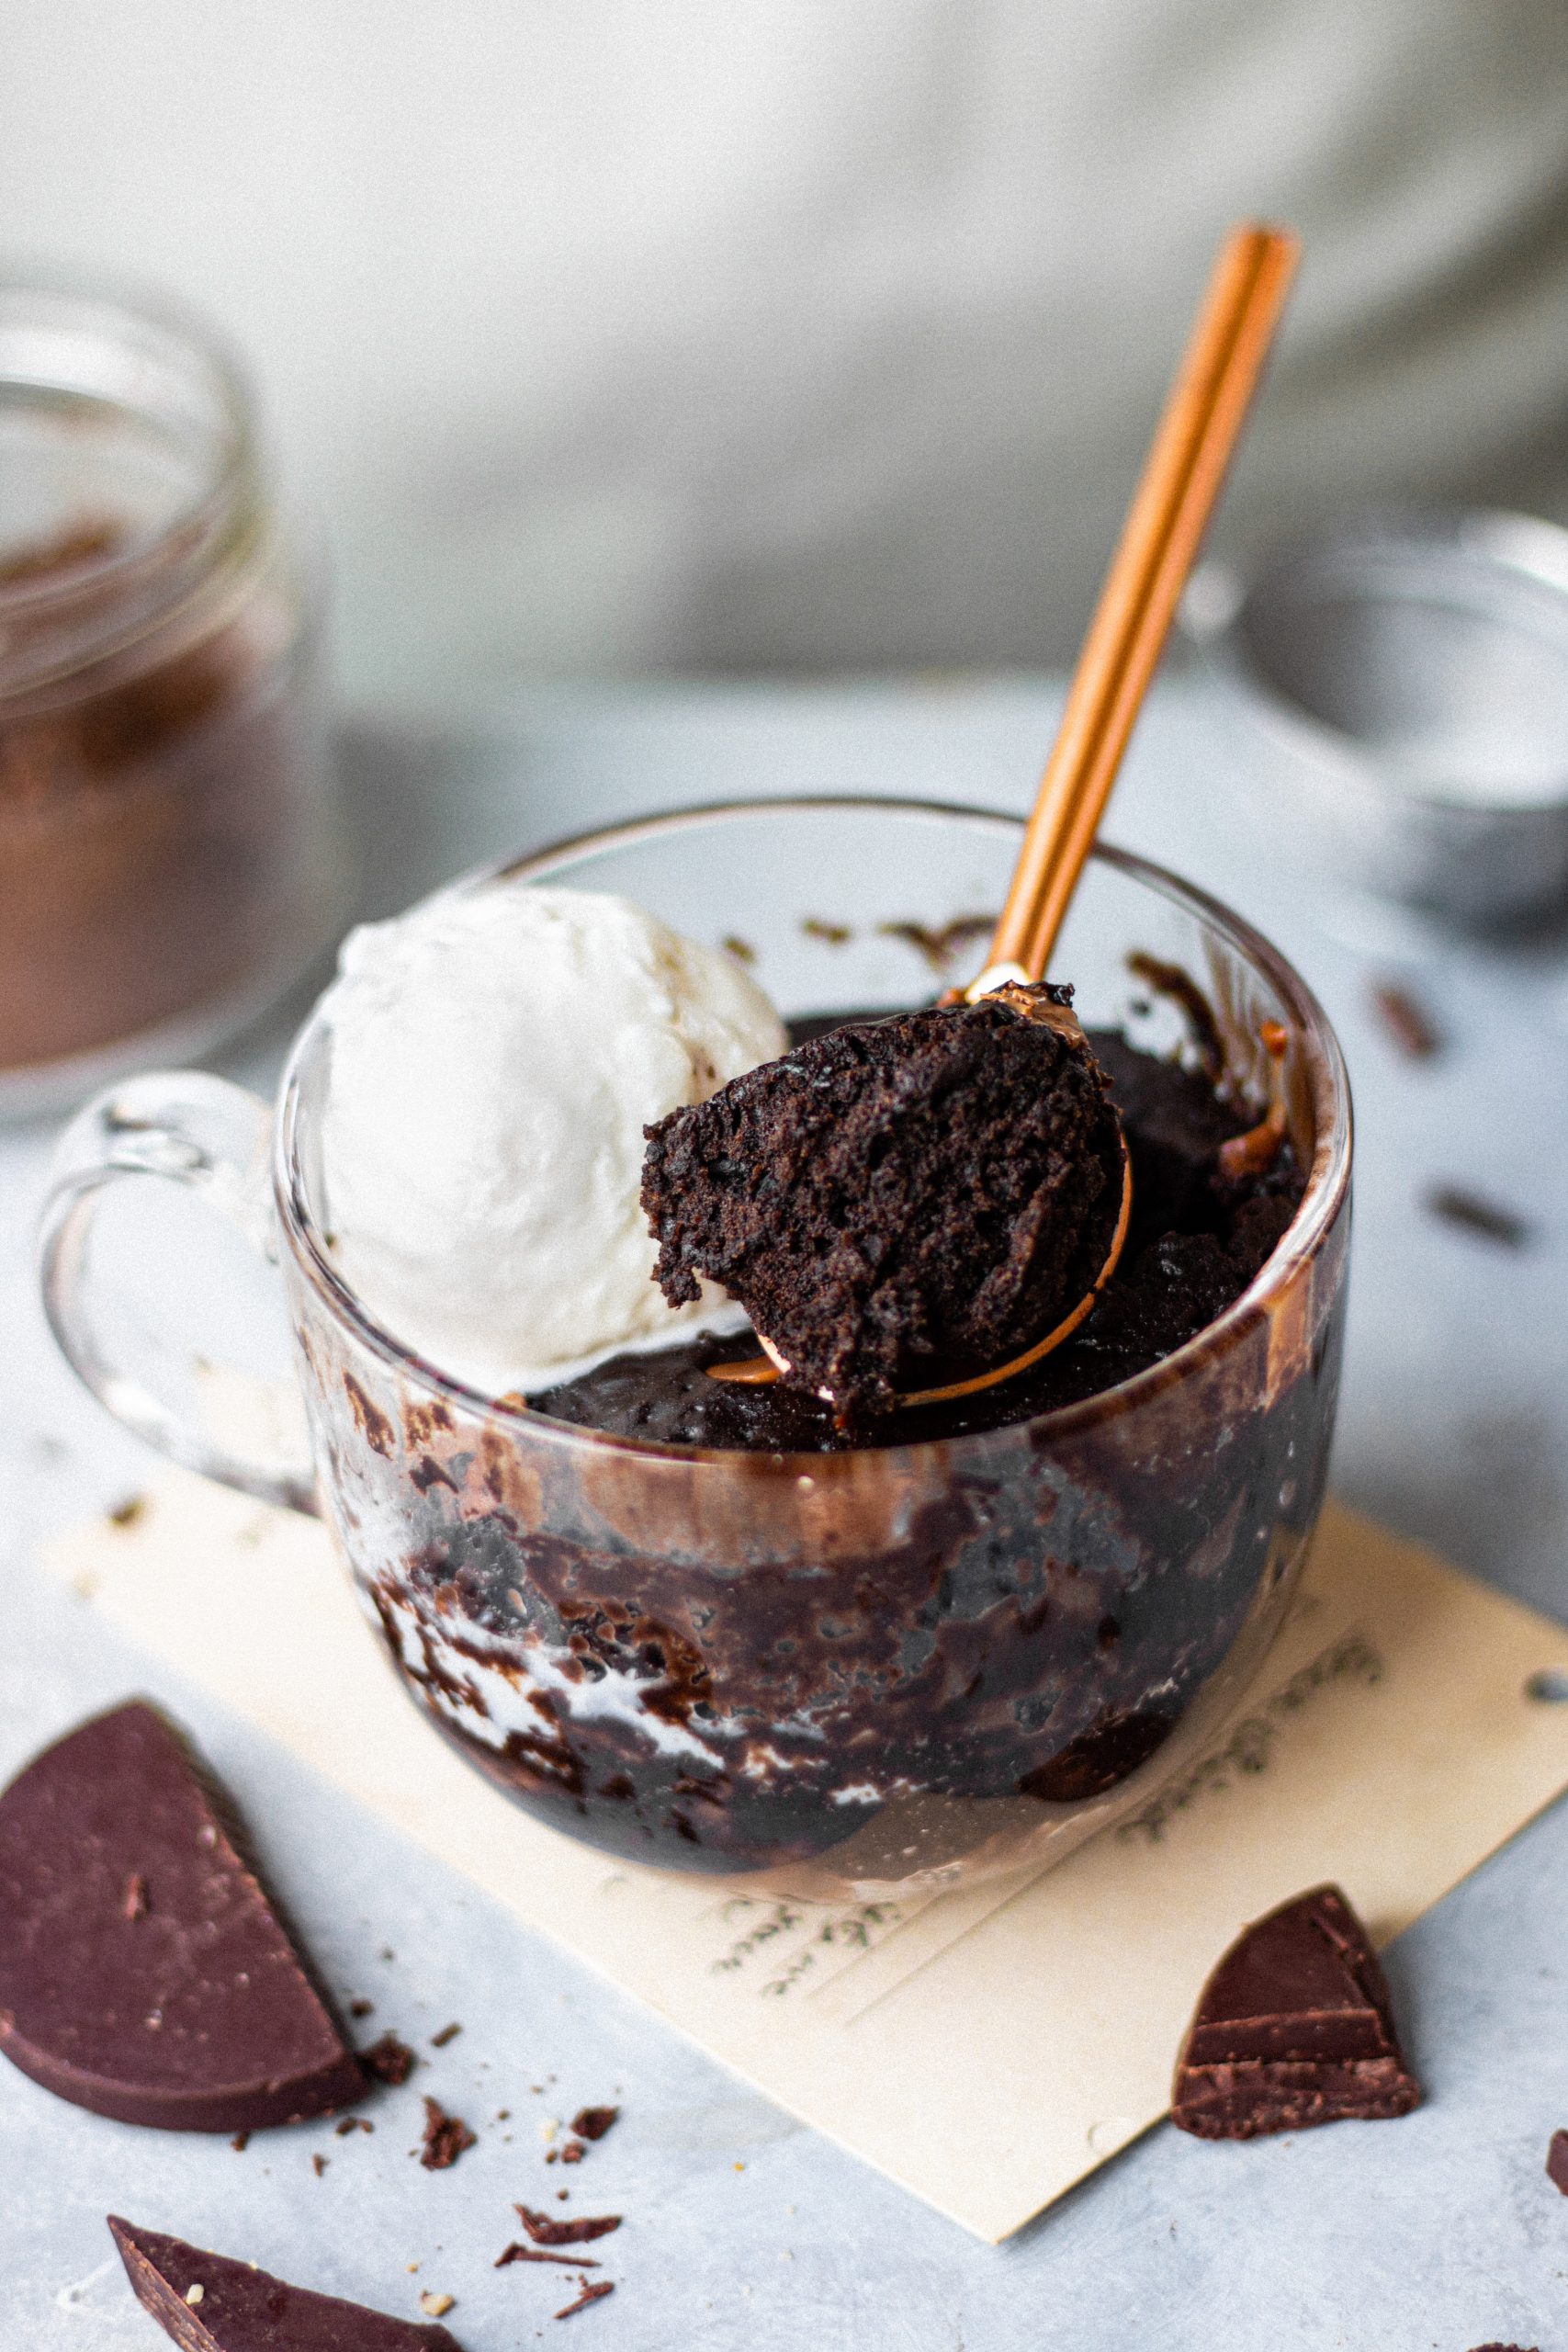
545 2230
899 1203
593 2123
390 2060
446 2137
187 2007
208 2303
1557 2162
1294 2028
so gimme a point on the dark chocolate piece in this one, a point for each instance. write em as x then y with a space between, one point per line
446 2137
1557 2162
545 2230
1294 2028
390 2060
237 2308
593 2123
143 1972
589 2295
899 1204
1456 1204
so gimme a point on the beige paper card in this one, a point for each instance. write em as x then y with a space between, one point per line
986 2049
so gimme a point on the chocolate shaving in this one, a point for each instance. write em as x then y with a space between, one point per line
593 2123
572 2153
240 2143
545 2230
1457 1206
1557 2162
446 2137
939 946
318 2166
360 2008
447 2033
390 2060
1407 1023
591 2294
742 949
1170 980
518 2253
127 1513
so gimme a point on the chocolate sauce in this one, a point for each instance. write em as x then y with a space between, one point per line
1195 1243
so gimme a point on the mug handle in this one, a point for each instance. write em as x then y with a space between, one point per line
189 1128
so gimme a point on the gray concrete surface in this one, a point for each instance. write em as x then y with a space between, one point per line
744 2229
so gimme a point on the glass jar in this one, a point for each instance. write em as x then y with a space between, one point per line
170 854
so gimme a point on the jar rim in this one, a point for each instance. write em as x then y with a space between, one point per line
65 619
1323 1199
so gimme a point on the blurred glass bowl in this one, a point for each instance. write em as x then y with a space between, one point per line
1406 677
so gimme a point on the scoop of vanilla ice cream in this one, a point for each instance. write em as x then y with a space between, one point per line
495 1056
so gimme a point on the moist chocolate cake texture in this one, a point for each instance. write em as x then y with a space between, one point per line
898 1203
1196 1240
749 1645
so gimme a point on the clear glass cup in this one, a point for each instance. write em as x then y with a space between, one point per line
171 855
874 1672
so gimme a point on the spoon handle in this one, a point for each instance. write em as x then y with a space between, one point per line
1181 481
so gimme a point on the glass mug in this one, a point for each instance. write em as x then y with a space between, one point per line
871 1672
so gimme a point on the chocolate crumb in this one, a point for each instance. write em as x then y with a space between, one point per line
361 2008
546 2230
127 1513
351 2123
516 2252
573 2153
240 2143
1407 1022
135 1905
318 2166
1458 1205
446 2137
390 2060
593 2123
591 2294
1557 2162
447 2033
742 949
834 934
1506 2347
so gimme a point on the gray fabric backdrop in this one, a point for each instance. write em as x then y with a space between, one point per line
639 333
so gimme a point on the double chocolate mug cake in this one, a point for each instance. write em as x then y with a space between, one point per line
709 1626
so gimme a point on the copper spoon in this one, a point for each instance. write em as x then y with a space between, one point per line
1182 477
